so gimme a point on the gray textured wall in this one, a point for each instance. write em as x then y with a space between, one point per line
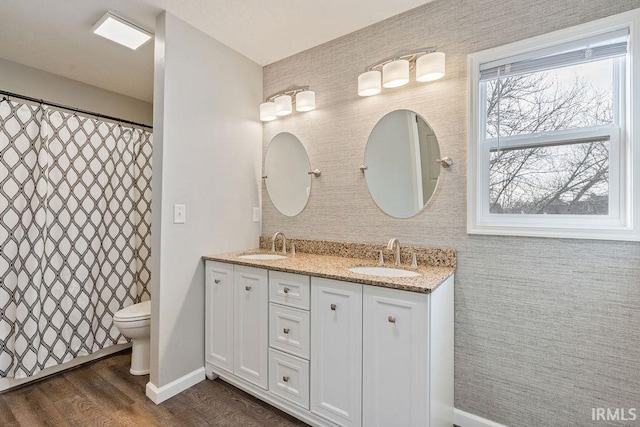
546 329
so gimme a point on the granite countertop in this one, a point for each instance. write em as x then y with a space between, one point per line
336 267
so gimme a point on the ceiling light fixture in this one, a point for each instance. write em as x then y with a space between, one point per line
281 104
121 31
394 72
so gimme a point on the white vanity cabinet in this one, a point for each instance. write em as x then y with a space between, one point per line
407 364
336 350
250 326
395 369
219 315
329 352
236 319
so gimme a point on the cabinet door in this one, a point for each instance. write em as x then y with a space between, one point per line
336 351
395 358
219 315
251 313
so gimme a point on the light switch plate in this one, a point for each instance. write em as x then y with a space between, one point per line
179 214
256 214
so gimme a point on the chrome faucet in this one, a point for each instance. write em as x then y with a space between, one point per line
394 242
284 242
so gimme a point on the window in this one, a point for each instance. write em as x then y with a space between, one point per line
551 143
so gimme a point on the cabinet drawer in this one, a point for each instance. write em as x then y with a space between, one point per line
289 378
289 289
289 330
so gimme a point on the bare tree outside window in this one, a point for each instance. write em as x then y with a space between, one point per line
571 177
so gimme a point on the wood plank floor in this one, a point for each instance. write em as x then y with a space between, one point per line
103 393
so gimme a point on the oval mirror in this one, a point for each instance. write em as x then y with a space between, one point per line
286 167
400 159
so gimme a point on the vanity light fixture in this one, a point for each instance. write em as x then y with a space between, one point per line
369 83
430 67
281 104
268 111
394 72
121 31
305 101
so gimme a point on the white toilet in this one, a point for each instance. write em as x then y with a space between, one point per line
134 322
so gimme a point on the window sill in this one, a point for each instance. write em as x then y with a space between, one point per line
610 233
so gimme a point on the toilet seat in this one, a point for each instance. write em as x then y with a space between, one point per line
131 324
135 312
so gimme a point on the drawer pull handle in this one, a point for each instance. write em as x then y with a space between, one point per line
285 290
392 319
247 288
333 307
216 281
285 379
286 330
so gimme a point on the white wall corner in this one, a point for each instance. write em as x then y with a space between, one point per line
160 394
465 419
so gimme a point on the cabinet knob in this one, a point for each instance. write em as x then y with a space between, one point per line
247 288
216 281
285 379
391 319
286 330
333 307
285 290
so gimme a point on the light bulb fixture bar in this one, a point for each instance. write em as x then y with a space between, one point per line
281 103
394 71
407 55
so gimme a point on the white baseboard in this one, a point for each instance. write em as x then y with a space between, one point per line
465 419
9 383
160 394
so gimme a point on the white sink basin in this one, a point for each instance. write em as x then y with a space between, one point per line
263 257
384 271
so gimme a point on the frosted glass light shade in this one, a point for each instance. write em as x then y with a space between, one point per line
116 29
267 111
430 67
369 83
395 73
283 105
305 100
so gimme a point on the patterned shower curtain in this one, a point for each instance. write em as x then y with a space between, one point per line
75 227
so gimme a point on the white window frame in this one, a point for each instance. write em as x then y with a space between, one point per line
623 221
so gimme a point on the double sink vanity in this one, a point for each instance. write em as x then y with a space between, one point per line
331 335
341 334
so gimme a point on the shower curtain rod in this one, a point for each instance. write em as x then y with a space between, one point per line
6 94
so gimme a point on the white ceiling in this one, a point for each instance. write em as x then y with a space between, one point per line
55 36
